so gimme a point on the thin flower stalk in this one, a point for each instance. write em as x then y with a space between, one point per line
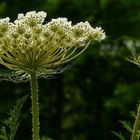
136 125
136 60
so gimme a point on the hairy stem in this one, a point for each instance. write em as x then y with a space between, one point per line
35 106
136 125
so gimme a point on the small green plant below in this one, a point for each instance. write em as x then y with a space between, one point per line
11 124
127 125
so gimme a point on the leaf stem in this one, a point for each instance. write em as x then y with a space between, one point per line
35 106
136 125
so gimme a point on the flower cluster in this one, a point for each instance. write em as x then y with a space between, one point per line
30 44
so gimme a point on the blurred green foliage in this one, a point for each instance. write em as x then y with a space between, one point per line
100 88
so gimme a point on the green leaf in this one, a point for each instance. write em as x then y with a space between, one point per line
3 134
12 122
45 138
133 114
127 126
119 135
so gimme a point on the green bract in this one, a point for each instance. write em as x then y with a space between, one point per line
30 44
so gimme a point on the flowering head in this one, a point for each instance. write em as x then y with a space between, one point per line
29 44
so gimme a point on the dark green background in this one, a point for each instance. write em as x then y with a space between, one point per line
100 88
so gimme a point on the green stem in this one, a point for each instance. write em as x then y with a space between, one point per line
35 106
136 125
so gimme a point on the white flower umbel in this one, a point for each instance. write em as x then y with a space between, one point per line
28 44
32 48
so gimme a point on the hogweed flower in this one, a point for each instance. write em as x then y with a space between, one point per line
32 48
30 45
